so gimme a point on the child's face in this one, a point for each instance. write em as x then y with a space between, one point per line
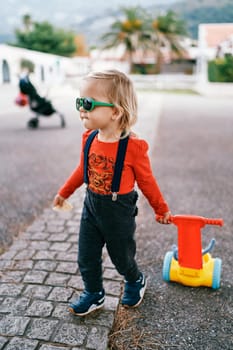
101 117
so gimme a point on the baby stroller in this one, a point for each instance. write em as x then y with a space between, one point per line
40 105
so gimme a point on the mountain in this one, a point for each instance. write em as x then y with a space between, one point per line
204 11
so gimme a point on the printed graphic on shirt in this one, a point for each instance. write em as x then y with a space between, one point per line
100 173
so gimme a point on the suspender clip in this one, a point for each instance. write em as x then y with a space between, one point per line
114 196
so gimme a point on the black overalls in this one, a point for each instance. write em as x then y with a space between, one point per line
110 220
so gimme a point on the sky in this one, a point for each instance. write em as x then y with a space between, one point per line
13 8
62 12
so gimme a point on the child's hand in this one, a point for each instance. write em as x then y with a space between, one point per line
165 219
58 200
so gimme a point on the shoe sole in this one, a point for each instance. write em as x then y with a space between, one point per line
96 307
139 302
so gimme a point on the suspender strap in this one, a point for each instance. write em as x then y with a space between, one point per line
122 146
121 152
86 152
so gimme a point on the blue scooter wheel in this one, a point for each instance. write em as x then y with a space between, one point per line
216 273
166 266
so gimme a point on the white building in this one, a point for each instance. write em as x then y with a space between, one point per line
48 68
113 58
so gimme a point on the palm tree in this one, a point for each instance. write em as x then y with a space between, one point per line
138 30
127 32
27 22
166 31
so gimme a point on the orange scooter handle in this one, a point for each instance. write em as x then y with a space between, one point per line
218 222
202 220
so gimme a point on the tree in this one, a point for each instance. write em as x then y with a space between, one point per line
166 31
127 32
45 38
221 69
27 22
81 47
140 31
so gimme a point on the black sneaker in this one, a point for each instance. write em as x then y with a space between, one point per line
134 292
87 303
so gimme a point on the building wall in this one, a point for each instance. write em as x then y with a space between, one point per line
47 67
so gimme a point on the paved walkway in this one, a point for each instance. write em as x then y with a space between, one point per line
39 276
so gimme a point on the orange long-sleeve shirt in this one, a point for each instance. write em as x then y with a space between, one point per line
101 160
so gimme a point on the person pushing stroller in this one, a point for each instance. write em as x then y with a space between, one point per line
40 105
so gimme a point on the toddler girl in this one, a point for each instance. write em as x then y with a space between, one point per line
115 161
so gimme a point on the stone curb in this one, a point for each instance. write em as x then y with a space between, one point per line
39 276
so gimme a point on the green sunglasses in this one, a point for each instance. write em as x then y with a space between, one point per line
89 103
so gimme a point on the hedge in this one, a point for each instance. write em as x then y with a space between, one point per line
221 69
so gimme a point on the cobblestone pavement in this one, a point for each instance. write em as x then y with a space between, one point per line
39 277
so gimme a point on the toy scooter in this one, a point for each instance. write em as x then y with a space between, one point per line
189 264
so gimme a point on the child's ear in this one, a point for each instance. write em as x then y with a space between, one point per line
117 113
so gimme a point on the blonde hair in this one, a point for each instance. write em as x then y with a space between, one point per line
119 89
